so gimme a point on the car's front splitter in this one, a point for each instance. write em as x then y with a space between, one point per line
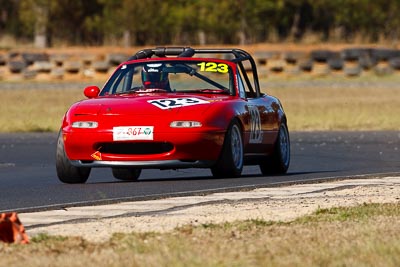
161 164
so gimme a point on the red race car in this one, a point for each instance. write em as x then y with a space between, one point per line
171 108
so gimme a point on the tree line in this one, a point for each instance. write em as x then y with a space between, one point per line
197 22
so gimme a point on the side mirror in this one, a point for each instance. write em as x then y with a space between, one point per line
91 91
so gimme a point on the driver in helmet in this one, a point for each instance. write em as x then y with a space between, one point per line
153 76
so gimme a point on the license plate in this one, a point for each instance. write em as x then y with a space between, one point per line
124 133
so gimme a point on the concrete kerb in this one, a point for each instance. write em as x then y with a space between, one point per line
75 214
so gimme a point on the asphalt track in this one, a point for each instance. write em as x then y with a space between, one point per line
28 180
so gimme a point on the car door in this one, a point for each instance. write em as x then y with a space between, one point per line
261 120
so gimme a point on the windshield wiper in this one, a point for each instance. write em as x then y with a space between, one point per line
212 91
152 90
142 90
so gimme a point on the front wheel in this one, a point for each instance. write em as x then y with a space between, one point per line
278 162
66 172
126 174
230 163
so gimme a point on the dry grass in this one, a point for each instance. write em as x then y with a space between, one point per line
341 108
27 110
368 235
329 106
337 103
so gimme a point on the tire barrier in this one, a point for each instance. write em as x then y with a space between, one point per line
101 66
395 63
16 66
30 58
352 71
306 65
355 54
3 60
116 58
367 62
335 63
349 62
322 55
382 54
293 57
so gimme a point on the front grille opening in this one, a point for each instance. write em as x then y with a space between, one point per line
136 148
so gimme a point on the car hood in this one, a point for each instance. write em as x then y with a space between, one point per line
152 104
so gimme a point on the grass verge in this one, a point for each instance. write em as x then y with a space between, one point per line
347 106
309 105
366 235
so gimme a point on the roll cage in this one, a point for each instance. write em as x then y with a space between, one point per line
239 57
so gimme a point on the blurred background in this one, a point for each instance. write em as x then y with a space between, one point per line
335 64
51 23
37 37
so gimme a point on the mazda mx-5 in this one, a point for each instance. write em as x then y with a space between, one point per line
172 108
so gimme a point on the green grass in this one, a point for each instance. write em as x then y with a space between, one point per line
366 235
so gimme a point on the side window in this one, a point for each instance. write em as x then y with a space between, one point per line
242 84
242 90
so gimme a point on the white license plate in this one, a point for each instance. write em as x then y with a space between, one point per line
133 133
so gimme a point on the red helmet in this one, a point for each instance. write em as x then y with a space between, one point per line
153 76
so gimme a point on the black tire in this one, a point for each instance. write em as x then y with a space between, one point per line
383 54
352 71
278 162
126 174
66 172
230 163
3 60
366 62
16 66
354 54
305 65
101 66
335 63
321 55
395 63
30 58
292 57
116 58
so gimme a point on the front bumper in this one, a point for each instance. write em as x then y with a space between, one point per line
151 164
185 149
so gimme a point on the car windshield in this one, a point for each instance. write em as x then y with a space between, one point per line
200 76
